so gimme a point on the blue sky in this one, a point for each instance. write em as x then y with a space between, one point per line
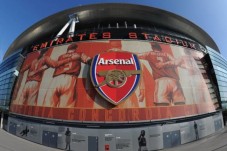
17 15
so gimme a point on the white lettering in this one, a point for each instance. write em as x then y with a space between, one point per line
102 61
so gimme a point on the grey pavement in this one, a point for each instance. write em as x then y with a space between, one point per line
215 142
9 142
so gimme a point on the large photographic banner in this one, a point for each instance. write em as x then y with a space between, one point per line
56 83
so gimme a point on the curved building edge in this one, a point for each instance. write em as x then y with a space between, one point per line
98 136
95 13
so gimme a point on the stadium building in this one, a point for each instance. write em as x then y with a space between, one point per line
109 77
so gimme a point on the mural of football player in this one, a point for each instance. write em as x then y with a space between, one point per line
193 78
61 92
142 141
35 72
167 87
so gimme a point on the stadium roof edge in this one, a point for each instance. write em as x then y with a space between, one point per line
94 12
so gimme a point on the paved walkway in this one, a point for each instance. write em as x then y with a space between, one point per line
9 142
215 142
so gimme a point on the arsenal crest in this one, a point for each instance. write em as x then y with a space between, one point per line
115 75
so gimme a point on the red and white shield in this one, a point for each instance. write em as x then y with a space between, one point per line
115 75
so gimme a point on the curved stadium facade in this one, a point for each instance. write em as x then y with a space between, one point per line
118 76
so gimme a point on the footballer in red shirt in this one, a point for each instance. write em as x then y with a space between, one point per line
61 92
167 87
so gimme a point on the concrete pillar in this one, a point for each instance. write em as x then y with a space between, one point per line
2 120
